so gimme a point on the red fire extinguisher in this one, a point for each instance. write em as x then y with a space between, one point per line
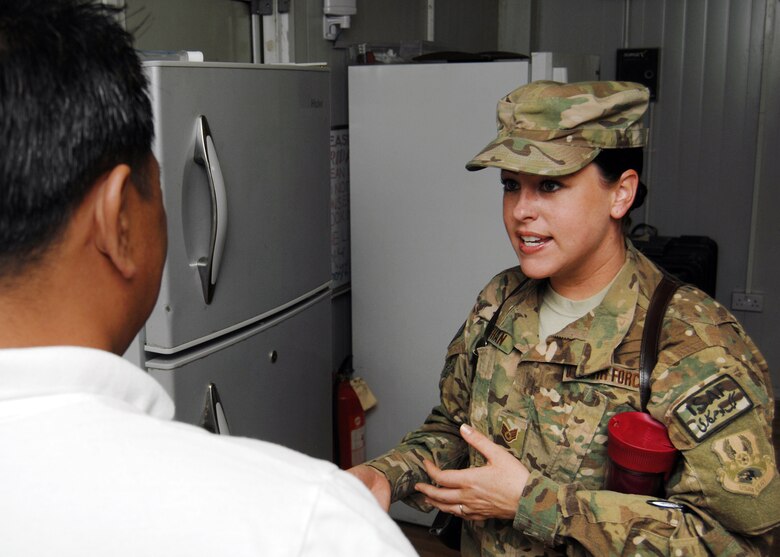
350 420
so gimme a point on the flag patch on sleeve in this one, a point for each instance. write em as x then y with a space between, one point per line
712 407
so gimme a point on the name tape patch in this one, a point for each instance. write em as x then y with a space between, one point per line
625 378
501 340
712 407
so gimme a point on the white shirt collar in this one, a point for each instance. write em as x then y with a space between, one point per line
27 373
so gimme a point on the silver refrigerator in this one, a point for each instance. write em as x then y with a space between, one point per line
244 305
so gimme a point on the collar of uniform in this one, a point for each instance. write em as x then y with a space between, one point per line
523 321
522 307
591 340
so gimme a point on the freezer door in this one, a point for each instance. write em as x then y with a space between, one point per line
244 156
274 380
435 225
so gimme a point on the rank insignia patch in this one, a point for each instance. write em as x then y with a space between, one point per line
508 434
712 407
744 471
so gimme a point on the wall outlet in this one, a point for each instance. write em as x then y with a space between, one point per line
747 302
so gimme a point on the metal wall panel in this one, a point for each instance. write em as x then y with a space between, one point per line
701 162
581 27
380 22
218 28
703 146
765 269
466 25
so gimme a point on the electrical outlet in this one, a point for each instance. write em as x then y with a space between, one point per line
747 302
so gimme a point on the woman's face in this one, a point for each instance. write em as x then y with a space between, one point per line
568 228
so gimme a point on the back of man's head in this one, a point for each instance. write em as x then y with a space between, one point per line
73 105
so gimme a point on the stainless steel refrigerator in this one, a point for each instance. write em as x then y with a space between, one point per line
245 297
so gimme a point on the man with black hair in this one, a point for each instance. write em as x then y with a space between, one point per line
91 462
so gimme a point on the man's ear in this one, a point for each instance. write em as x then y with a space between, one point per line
112 219
624 194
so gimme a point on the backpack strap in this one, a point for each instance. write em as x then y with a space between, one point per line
648 353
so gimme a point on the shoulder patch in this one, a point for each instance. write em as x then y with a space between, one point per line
714 405
745 470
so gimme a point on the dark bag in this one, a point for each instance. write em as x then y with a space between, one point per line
691 259
447 527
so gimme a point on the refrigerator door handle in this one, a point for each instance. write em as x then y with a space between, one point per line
213 417
206 156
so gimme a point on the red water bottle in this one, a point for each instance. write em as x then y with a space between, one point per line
640 453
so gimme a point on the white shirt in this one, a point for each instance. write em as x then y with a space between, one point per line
91 464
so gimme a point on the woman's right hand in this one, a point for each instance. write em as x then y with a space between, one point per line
375 481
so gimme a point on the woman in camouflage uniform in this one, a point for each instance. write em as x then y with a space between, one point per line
518 444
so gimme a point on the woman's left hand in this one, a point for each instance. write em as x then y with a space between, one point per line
490 491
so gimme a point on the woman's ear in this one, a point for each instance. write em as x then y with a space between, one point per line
624 194
112 219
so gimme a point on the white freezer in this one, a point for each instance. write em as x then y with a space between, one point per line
426 234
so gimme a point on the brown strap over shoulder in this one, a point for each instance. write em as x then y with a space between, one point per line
648 354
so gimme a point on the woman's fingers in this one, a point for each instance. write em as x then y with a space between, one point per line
489 491
444 478
485 446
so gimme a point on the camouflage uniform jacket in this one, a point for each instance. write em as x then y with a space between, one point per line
549 404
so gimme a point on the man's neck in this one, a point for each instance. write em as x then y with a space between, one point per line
44 307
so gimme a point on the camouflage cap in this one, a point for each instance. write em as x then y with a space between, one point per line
554 129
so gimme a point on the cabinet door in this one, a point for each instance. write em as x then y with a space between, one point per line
274 380
423 227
